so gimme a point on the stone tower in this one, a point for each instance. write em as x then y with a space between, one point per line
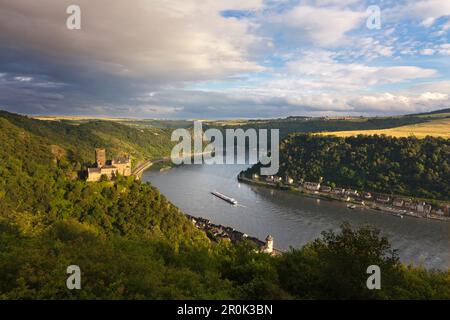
268 248
100 157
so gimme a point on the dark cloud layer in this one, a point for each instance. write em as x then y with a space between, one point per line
144 59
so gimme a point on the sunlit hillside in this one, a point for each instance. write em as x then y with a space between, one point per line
434 128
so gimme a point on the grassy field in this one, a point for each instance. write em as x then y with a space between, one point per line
436 123
435 128
76 118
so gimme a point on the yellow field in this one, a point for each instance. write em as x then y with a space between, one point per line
435 128
76 118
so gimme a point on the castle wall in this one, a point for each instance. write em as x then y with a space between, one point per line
93 176
123 166
110 168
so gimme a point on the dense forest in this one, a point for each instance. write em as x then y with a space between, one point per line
402 166
132 243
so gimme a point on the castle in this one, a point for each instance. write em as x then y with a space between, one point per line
108 168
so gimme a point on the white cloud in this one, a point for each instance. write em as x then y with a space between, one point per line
320 71
446 26
427 10
427 52
323 26
428 22
23 78
438 86
401 103
368 48
384 103
335 2
444 49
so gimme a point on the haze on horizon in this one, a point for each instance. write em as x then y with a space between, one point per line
224 59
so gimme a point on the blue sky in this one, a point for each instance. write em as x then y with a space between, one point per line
224 59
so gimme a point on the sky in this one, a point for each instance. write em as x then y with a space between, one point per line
218 59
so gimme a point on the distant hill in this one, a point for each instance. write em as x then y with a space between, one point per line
401 166
434 128
291 124
78 140
319 124
443 112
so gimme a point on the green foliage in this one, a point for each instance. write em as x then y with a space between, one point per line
77 141
334 267
404 166
132 243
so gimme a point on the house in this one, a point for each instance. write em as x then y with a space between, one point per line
420 207
289 180
325 189
443 210
383 199
338 191
312 186
446 209
351 193
269 178
424 208
277 179
398 202
367 195
410 205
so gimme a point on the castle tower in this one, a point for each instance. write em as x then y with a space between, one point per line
100 157
268 248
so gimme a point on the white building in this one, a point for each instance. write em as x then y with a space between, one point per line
268 248
313 186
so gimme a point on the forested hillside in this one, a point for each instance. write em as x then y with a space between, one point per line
77 141
130 242
404 166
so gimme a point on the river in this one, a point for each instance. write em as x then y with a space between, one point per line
292 219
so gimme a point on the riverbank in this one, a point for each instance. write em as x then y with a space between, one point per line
293 221
352 202
161 164
217 232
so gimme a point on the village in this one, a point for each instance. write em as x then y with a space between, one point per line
398 205
217 232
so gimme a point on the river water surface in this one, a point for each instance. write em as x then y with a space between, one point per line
292 219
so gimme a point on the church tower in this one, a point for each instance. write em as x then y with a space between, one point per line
268 248
100 157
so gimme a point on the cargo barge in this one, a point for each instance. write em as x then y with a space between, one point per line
224 197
